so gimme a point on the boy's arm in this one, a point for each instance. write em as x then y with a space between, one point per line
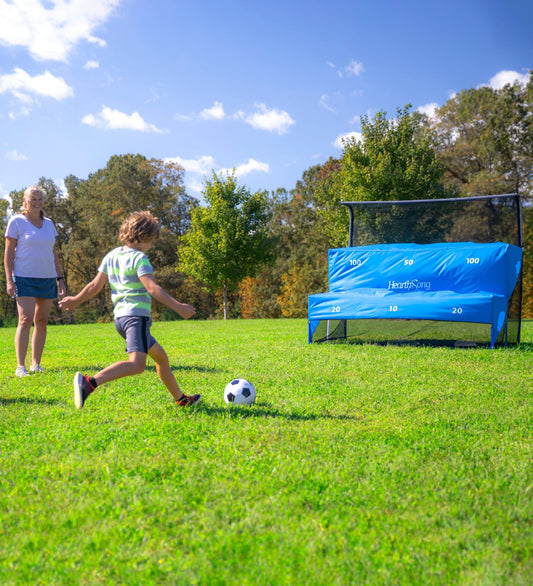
159 294
89 291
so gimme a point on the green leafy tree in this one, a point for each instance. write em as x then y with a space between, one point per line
301 252
303 243
527 307
8 309
485 140
394 160
100 203
228 239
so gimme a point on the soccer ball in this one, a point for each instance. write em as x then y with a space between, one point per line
239 392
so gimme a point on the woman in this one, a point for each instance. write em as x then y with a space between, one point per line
33 275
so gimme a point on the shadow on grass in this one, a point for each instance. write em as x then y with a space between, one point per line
27 401
429 343
85 369
93 369
526 346
186 368
419 343
265 411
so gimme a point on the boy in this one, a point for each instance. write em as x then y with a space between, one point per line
132 284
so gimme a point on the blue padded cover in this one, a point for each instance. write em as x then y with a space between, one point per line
458 281
464 267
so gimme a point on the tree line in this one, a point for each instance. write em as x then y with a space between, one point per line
259 255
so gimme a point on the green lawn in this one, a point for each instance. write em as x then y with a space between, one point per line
358 464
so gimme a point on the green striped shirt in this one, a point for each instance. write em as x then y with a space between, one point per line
123 267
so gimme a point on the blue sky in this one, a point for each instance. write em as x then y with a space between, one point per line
267 88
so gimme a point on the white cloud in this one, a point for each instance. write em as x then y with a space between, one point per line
27 89
216 112
194 184
342 138
185 117
496 82
263 118
115 120
246 168
196 170
14 155
199 166
51 32
96 40
269 119
324 103
502 78
354 68
23 86
204 166
428 109
92 64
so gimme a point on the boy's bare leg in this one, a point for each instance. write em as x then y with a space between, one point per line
162 365
135 365
85 385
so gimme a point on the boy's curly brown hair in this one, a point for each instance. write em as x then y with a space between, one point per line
137 227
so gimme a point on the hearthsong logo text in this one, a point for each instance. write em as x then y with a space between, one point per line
410 285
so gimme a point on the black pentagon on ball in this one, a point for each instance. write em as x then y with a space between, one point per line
235 381
246 392
231 397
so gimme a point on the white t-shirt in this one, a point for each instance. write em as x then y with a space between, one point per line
34 255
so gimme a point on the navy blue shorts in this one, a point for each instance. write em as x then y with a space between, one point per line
135 329
33 287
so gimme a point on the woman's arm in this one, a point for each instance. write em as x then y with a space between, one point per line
9 265
61 287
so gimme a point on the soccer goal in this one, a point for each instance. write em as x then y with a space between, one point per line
471 294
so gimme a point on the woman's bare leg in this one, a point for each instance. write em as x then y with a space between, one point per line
40 323
26 311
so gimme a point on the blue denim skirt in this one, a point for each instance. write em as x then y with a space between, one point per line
33 287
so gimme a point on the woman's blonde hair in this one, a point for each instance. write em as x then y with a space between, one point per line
27 194
137 227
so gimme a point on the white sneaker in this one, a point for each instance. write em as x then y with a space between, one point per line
21 371
36 368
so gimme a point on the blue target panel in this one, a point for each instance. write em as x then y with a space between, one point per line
458 281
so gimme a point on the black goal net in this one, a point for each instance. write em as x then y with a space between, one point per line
480 219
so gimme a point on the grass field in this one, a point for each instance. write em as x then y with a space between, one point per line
358 464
